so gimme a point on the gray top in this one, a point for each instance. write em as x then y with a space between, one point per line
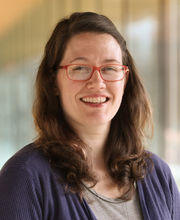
115 209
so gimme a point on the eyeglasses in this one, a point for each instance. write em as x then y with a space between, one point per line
83 72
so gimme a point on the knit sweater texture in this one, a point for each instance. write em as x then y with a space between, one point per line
30 190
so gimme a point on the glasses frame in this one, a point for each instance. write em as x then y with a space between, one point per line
98 68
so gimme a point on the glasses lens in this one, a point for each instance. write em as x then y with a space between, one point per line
79 72
113 72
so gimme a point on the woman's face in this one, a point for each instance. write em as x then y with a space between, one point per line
93 102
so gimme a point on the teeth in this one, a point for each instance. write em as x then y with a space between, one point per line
94 99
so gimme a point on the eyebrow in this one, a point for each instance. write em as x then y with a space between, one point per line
111 60
85 59
79 58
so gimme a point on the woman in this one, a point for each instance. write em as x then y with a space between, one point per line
91 112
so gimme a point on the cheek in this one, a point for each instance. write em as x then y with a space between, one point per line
62 85
62 91
119 91
65 96
68 91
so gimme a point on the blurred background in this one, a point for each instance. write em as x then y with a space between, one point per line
152 31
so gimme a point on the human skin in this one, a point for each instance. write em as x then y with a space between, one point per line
94 49
91 121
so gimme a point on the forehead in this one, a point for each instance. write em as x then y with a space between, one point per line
97 45
87 38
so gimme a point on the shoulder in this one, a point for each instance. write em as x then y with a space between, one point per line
30 172
160 176
29 165
27 158
159 164
160 170
158 191
30 185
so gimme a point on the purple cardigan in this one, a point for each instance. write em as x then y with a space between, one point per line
29 190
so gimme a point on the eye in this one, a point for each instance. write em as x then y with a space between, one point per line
76 68
80 68
109 69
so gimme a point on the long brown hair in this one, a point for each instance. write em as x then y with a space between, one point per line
124 154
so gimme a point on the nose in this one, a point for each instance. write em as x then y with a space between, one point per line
96 81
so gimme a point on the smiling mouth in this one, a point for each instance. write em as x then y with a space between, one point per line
95 100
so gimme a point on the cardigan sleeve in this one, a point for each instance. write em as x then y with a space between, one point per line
30 190
175 197
159 194
169 187
19 195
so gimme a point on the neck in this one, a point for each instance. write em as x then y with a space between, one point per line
95 138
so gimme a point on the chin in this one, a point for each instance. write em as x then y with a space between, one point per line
97 122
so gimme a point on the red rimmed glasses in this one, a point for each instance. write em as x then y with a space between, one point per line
83 72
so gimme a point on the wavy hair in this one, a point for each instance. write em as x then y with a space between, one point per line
124 154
